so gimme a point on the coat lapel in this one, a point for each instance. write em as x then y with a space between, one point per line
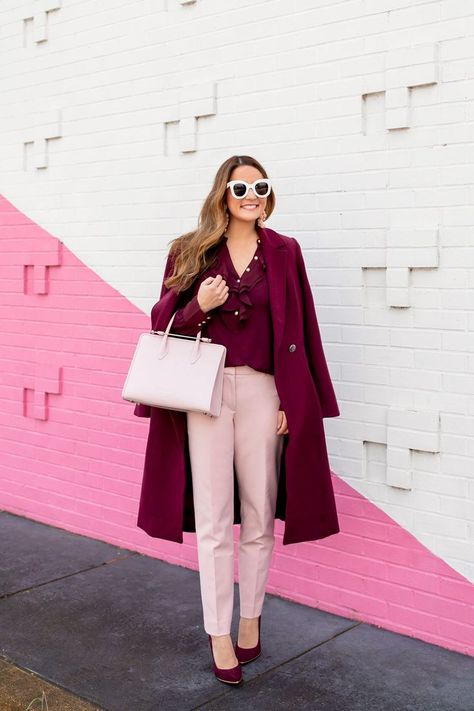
275 254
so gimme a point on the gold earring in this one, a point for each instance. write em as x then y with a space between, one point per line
261 219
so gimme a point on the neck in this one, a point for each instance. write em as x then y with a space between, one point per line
241 231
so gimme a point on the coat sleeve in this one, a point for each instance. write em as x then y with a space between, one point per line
313 344
187 321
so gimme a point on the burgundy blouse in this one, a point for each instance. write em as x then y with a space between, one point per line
243 322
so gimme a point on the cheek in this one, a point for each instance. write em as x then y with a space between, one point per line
233 204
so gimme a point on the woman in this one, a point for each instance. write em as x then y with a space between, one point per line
236 282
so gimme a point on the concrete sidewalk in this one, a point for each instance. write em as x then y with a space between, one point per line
86 625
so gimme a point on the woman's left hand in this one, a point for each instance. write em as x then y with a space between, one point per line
282 424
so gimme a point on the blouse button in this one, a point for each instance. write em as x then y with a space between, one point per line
248 269
238 279
292 348
208 317
255 257
236 312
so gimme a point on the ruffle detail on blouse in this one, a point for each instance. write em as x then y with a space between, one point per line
239 294
239 297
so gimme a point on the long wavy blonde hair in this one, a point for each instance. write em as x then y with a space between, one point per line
193 252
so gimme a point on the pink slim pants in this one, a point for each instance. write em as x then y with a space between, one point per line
244 432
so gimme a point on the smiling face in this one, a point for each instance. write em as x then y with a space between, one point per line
249 208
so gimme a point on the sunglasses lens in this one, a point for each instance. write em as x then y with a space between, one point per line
261 189
240 189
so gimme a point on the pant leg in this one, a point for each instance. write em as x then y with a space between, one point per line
211 449
257 458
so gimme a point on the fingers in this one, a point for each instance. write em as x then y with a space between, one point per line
282 424
220 287
216 290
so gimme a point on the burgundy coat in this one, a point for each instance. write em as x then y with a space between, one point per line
305 498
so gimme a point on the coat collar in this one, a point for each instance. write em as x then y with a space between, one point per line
275 254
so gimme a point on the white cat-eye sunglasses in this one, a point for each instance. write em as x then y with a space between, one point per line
240 189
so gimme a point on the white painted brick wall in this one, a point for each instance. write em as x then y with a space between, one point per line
384 215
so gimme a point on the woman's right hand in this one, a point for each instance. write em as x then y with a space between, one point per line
212 292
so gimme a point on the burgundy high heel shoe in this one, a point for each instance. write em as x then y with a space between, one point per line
248 654
229 676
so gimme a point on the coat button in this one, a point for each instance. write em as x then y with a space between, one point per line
292 348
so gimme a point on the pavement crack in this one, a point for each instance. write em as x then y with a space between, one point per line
112 561
277 666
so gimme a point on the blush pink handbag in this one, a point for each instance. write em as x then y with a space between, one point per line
176 372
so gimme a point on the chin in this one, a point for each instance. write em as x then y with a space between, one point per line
247 217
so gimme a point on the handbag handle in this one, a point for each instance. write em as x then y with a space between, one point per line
195 353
